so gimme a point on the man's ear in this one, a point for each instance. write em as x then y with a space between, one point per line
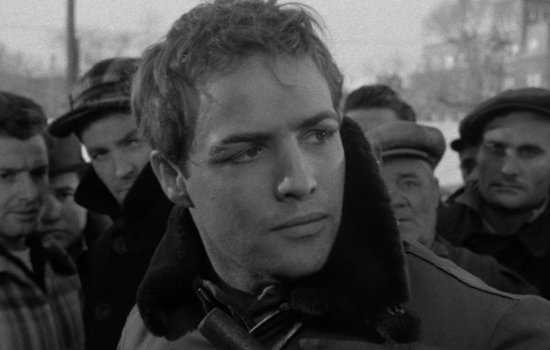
171 179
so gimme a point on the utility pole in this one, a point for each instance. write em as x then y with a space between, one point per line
72 46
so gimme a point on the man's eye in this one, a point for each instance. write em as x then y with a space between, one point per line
134 142
320 135
95 156
494 149
40 173
530 152
410 184
7 176
247 155
64 195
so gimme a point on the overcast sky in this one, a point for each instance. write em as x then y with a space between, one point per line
366 36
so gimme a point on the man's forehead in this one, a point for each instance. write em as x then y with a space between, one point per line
407 166
518 119
16 154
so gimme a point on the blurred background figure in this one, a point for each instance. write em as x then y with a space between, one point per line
410 153
373 105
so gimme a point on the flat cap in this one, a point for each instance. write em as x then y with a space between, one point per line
106 85
408 139
525 99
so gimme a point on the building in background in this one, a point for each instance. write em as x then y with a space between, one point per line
478 48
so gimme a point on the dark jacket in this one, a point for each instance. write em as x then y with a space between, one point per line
360 299
118 259
527 252
485 267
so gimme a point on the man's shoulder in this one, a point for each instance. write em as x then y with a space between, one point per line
450 301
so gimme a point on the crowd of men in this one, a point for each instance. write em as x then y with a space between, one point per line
233 200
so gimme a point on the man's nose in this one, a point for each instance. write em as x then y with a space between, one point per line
51 210
397 199
123 166
29 190
296 177
510 166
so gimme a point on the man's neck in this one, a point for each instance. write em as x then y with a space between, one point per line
508 221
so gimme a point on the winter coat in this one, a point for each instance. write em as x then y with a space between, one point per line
118 259
40 309
527 251
484 267
372 293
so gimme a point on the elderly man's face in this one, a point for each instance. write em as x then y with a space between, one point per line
514 161
266 173
414 194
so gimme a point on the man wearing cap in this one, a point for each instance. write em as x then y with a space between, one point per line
409 154
40 295
62 219
121 184
506 214
373 105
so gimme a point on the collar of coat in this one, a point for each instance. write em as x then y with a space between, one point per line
93 195
364 279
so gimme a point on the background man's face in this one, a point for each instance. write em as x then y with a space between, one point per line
414 196
370 118
23 182
514 161
117 151
266 173
468 164
62 217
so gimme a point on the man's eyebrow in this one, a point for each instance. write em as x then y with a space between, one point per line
319 117
257 137
407 175
129 135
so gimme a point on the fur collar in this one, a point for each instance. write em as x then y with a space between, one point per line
363 280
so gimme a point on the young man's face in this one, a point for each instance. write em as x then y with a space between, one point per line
23 183
414 194
514 161
266 174
62 218
370 118
117 151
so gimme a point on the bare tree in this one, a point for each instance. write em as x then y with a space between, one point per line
470 34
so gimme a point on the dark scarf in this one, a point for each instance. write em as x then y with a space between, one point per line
363 282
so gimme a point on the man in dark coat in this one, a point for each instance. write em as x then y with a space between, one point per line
283 236
409 154
121 184
506 213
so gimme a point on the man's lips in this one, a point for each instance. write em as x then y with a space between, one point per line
301 220
507 186
27 213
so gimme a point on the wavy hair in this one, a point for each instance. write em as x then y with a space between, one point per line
210 39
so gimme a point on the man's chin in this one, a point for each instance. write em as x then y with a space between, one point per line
513 204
